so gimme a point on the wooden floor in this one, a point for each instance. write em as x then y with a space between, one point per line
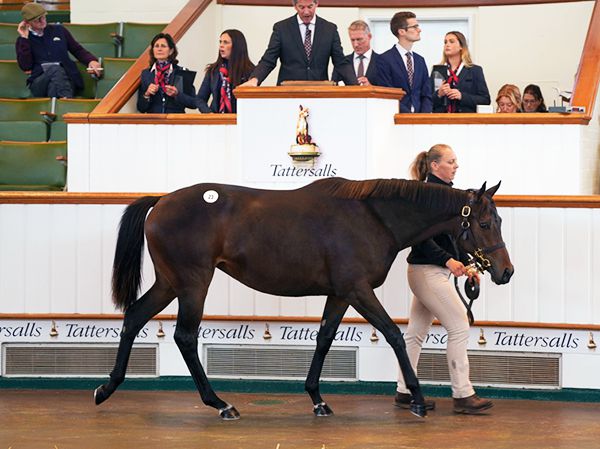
39 419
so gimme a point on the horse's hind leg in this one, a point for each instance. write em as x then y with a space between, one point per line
334 311
366 303
191 306
136 316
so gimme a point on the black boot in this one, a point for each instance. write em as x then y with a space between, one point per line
403 400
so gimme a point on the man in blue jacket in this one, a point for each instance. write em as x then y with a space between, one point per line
403 68
43 51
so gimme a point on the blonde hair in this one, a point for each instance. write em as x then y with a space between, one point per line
465 54
511 92
421 166
359 25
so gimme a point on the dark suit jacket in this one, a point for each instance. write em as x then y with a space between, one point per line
473 88
161 103
211 87
392 73
287 46
371 70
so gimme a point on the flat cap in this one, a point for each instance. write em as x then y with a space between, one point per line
32 11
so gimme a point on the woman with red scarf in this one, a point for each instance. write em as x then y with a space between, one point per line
232 68
465 87
161 87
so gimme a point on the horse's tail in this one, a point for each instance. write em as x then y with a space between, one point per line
126 276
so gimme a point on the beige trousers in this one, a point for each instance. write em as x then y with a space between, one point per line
436 297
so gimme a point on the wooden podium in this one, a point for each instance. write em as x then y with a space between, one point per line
348 124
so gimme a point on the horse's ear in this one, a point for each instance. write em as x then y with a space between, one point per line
493 190
481 191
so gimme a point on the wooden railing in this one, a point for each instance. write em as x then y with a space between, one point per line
584 93
538 201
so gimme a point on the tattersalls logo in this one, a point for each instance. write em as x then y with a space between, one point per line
304 154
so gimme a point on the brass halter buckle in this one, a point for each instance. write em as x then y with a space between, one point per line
485 263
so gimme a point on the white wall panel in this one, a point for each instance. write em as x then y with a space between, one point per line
577 266
58 259
37 255
550 254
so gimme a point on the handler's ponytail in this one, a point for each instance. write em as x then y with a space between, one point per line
421 166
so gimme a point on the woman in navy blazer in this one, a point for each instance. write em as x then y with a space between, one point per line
232 68
465 87
157 92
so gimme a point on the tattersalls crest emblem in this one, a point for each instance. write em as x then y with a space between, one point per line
305 151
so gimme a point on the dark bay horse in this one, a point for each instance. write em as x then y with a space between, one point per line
334 237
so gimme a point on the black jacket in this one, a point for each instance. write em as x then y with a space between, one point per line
286 46
473 88
161 103
436 250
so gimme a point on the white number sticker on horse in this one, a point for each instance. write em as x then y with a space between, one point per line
210 196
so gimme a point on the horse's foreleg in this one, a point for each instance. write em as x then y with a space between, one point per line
186 337
366 303
334 311
136 316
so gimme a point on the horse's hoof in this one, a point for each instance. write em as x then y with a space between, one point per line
229 413
419 410
100 395
322 409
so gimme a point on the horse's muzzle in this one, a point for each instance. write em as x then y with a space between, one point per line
506 275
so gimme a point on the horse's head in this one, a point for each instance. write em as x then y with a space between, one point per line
481 236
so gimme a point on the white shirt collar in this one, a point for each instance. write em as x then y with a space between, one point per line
367 54
312 22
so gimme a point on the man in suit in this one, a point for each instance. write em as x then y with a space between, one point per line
403 68
360 37
304 44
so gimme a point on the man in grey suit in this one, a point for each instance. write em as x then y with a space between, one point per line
363 59
304 43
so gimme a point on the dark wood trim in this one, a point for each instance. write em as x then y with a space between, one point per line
292 319
319 92
492 119
398 4
588 73
152 119
128 84
537 201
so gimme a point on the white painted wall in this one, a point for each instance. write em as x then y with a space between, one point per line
58 259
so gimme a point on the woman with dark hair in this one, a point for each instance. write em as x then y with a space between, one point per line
465 87
232 68
161 87
533 101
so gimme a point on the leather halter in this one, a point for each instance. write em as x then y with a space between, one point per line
479 260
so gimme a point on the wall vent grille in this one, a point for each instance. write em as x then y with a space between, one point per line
65 360
494 368
277 362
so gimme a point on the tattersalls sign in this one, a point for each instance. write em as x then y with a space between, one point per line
304 161
290 333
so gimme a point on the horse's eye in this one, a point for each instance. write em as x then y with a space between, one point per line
484 225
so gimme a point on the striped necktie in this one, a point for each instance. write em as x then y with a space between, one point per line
307 41
409 68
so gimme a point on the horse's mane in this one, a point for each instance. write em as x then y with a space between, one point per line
426 194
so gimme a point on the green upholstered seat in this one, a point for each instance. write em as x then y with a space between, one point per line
8 37
137 37
33 165
89 83
114 69
58 128
20 120
13 81
99 39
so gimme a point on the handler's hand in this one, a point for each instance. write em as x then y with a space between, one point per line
23 30
456 267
